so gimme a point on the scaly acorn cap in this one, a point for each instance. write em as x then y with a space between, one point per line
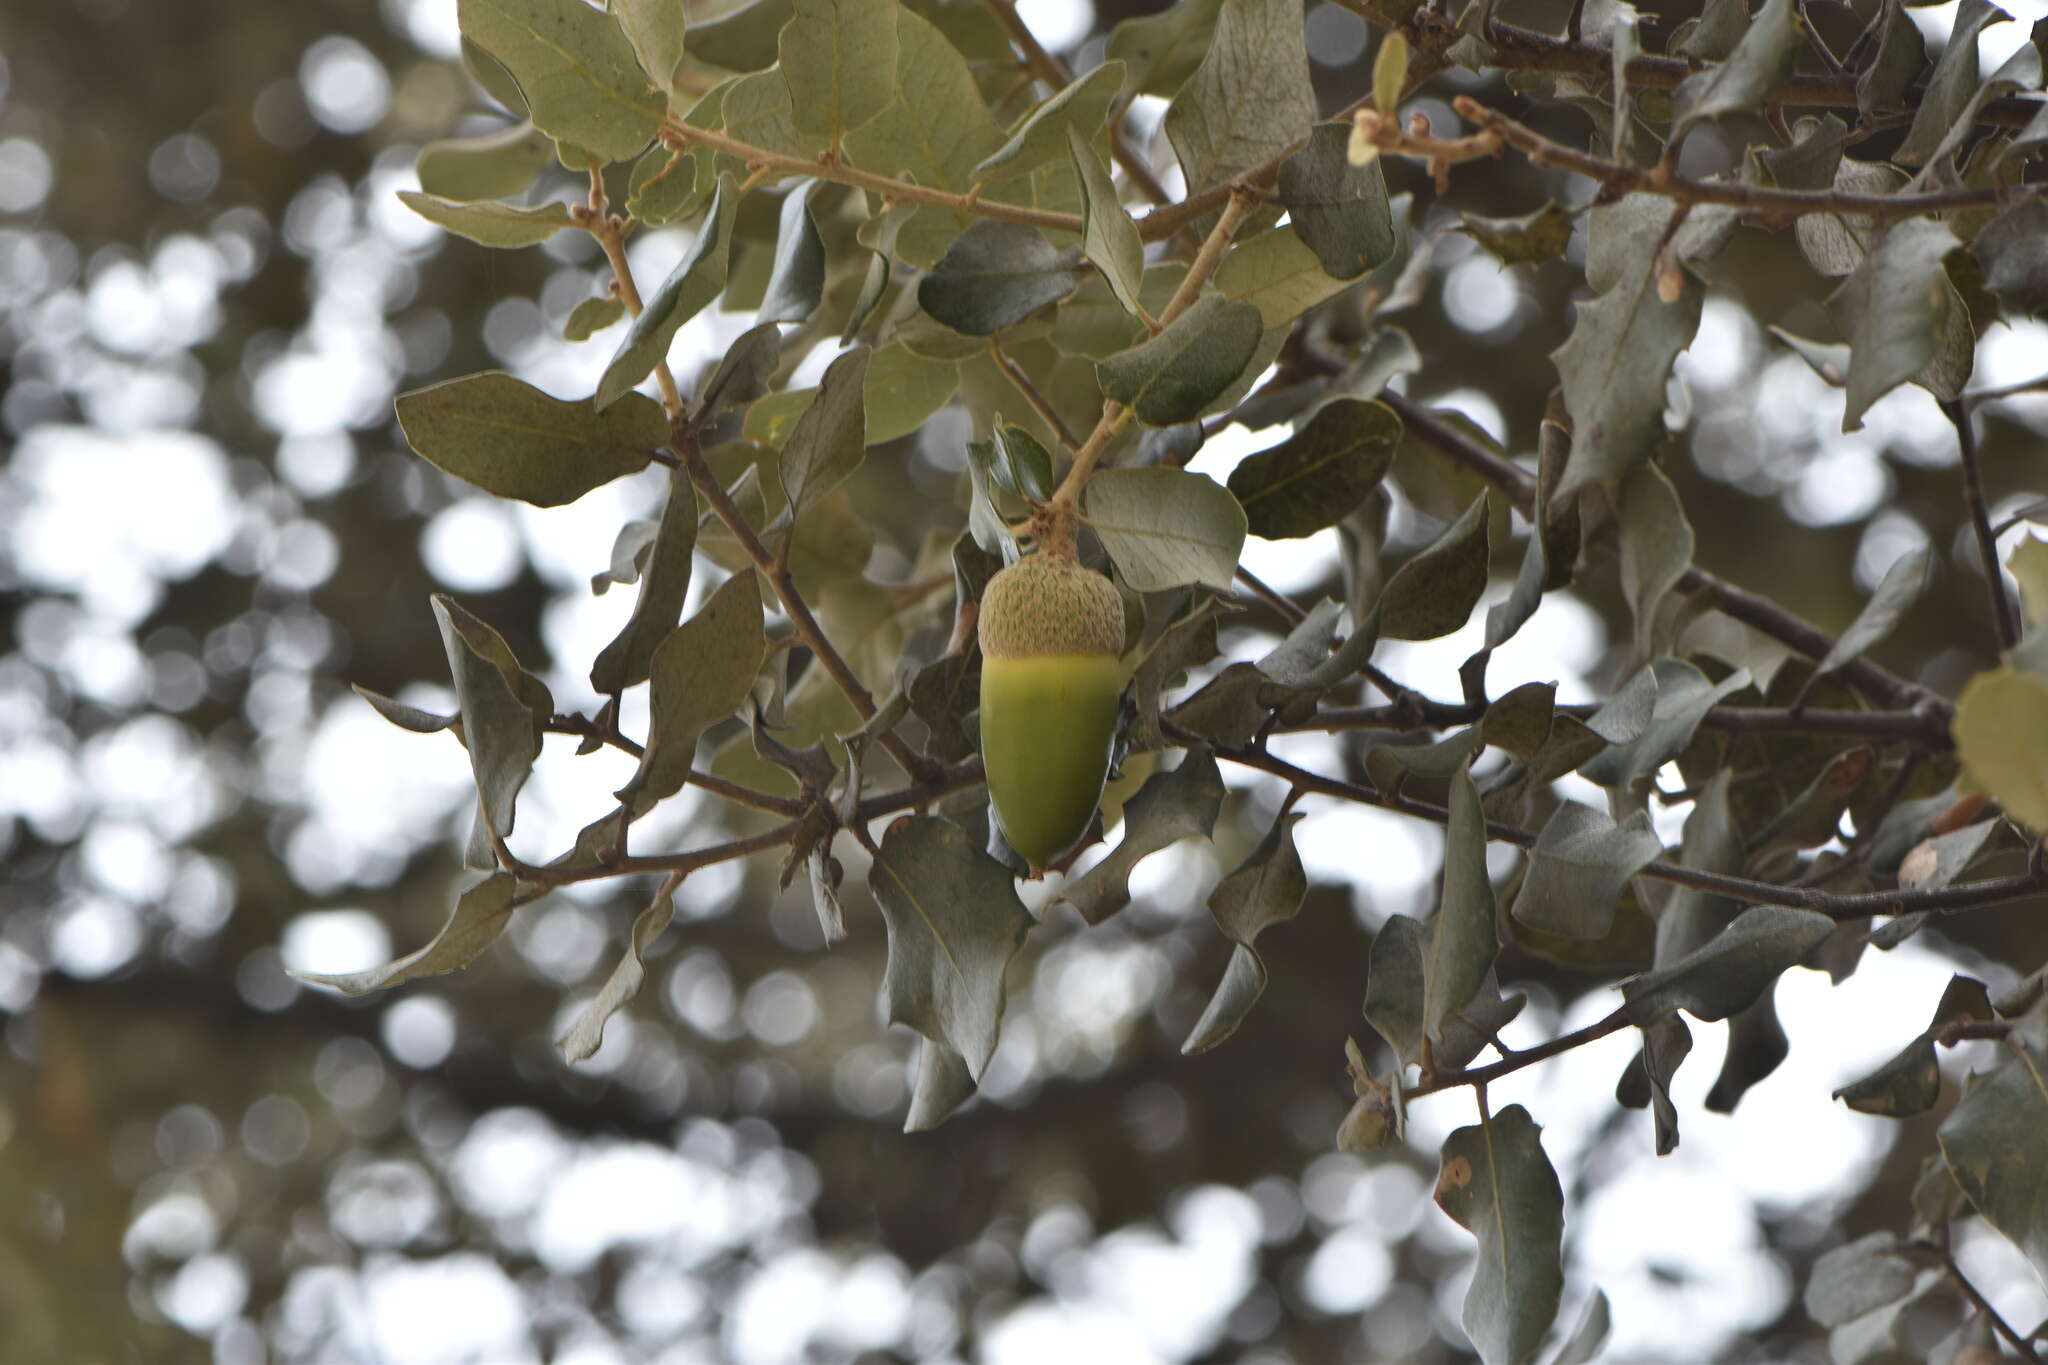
1049 604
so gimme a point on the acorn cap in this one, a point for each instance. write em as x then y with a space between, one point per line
1045 604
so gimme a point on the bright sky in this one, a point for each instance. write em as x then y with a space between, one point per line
106 514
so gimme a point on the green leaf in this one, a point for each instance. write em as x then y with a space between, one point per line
1656 547
942 1085
743 373
1894 310
2001 733
509 438
1896 593
504 710
1161 50
757 110
405 717
592 316
1433 594
1992 1141
1109 239
1393 984
1265 889
936 129
1910 1083
1021 464
626 660
1390 73
1951 87
1681 697
1646 1083
1317 476
1497 1184
1339 210
655 29
494 166
1758 65
697 279
1727 974
1279 274
1711 843
1175 375
581 1040
1582 1347
1858 1278
901 391
1165 528
2013 249
1079 111
1249 99
664 186
839 58
995 275
954 923
702 673
491 224
1462 941
745 39
1579 867
481 914
2028 565
1616 362
1171 806
576 68
797 279
1530 239
830 438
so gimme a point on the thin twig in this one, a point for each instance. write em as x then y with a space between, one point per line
1617 177
1441 715
2018 1340
1271 596
784 586
583 727
829 166
1481 1076
1021 382
2004 622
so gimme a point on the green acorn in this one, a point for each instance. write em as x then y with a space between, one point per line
1050 681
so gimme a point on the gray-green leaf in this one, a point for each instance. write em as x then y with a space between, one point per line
481 914
509 438
1109 239
1496 1182
697 279
995 275
1166 528
1577 870
490 223
954 923
1317 476
797 278
1266 888
1433 594
1894 311
1339 209
1250 97
839 58
829 439
494 166
1078 111
1171 806
1175 375
700 674
581 79
1726 974
626 660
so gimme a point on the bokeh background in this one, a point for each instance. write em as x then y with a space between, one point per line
208 297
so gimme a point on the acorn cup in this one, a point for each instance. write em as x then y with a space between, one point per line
1050 682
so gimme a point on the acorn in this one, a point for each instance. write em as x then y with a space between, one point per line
1050 681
